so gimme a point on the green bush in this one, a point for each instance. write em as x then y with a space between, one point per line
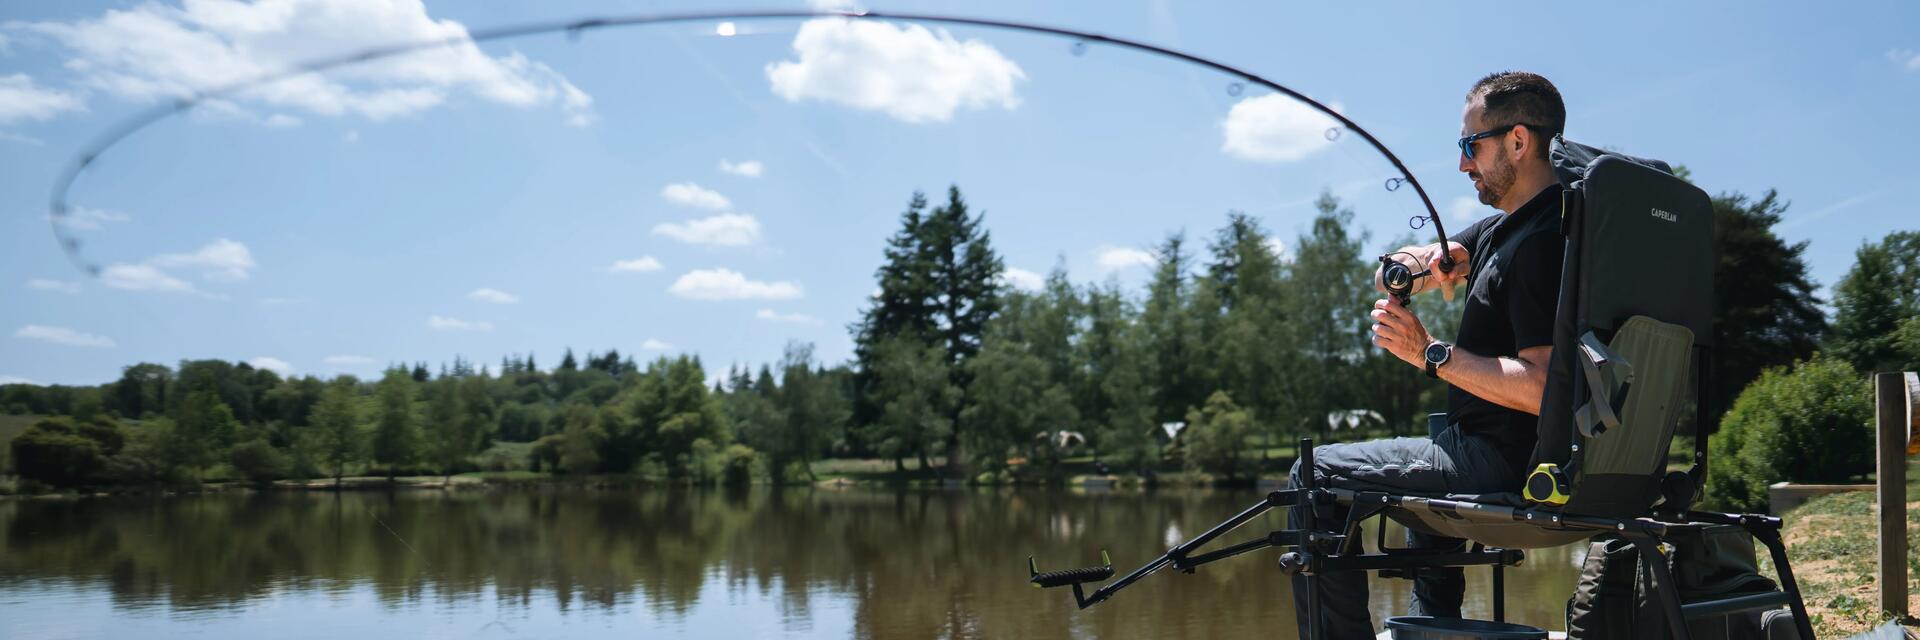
736 466
1216 438
64 452
1810 423
259 462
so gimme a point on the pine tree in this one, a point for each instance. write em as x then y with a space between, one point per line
1765 310
938 286
1249 338
1173 336
1331 289
901 309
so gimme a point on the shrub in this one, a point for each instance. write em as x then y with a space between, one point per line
736 466
65 453
1809 424
1216 436
259 462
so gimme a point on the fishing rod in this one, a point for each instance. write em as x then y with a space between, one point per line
59 207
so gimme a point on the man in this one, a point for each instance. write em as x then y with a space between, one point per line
1497 369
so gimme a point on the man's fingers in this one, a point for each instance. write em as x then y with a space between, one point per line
1387 331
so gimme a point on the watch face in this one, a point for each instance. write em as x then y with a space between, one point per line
1436 352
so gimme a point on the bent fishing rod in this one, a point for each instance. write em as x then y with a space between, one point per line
1398 280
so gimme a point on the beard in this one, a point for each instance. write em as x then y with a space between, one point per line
1494 185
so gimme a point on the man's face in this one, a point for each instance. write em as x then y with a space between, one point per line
1491 168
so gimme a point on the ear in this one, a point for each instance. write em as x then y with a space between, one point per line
1523 140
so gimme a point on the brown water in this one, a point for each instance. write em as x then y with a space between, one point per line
660 563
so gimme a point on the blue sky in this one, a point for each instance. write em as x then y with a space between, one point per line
723 190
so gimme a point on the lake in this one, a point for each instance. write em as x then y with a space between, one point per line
556 562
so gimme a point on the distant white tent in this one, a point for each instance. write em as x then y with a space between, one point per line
1168 431
1353 419
1061 440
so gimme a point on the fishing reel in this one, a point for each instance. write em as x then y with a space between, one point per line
1398 278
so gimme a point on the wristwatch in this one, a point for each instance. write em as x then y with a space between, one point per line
1438 353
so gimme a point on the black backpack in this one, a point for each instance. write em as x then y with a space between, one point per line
1611 601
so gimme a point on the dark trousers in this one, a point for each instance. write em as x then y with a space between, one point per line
1450 462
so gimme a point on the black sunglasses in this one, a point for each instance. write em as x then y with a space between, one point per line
1466 144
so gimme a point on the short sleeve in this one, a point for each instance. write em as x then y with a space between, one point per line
1532 283
1469 236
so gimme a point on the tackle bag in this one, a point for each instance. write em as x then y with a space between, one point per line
1612 601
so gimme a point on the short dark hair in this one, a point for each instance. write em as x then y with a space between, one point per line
1519 97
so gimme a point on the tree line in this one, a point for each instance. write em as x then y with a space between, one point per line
1245 344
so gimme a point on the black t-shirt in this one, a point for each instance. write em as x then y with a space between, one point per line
1511 296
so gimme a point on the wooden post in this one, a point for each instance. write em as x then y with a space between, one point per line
1894 417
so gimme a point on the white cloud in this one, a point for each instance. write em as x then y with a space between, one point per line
1117 258
726 230
1274 128
85 219
747 168
61 286
443 323
153 51
348 361
791 318
1466 208
494 296
273 364
21 99
62 335
222 259
1277 246
143 277
281 121
1024 279
726 284
906 71
15 380
1906 58
687 194
642 264
651 344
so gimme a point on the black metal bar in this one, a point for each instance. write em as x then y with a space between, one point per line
1273 539
1768 600
1108 589
1378 561
1306 536
1499 593
1703 413
1274 499
1662 585
1770 536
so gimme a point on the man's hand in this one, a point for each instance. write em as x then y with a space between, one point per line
1447 280
1397 330
1427 257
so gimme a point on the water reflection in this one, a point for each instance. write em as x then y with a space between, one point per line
873 564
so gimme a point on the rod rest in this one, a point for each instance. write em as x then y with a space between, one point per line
1066 577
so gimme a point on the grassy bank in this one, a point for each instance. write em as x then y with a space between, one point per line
1833 541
